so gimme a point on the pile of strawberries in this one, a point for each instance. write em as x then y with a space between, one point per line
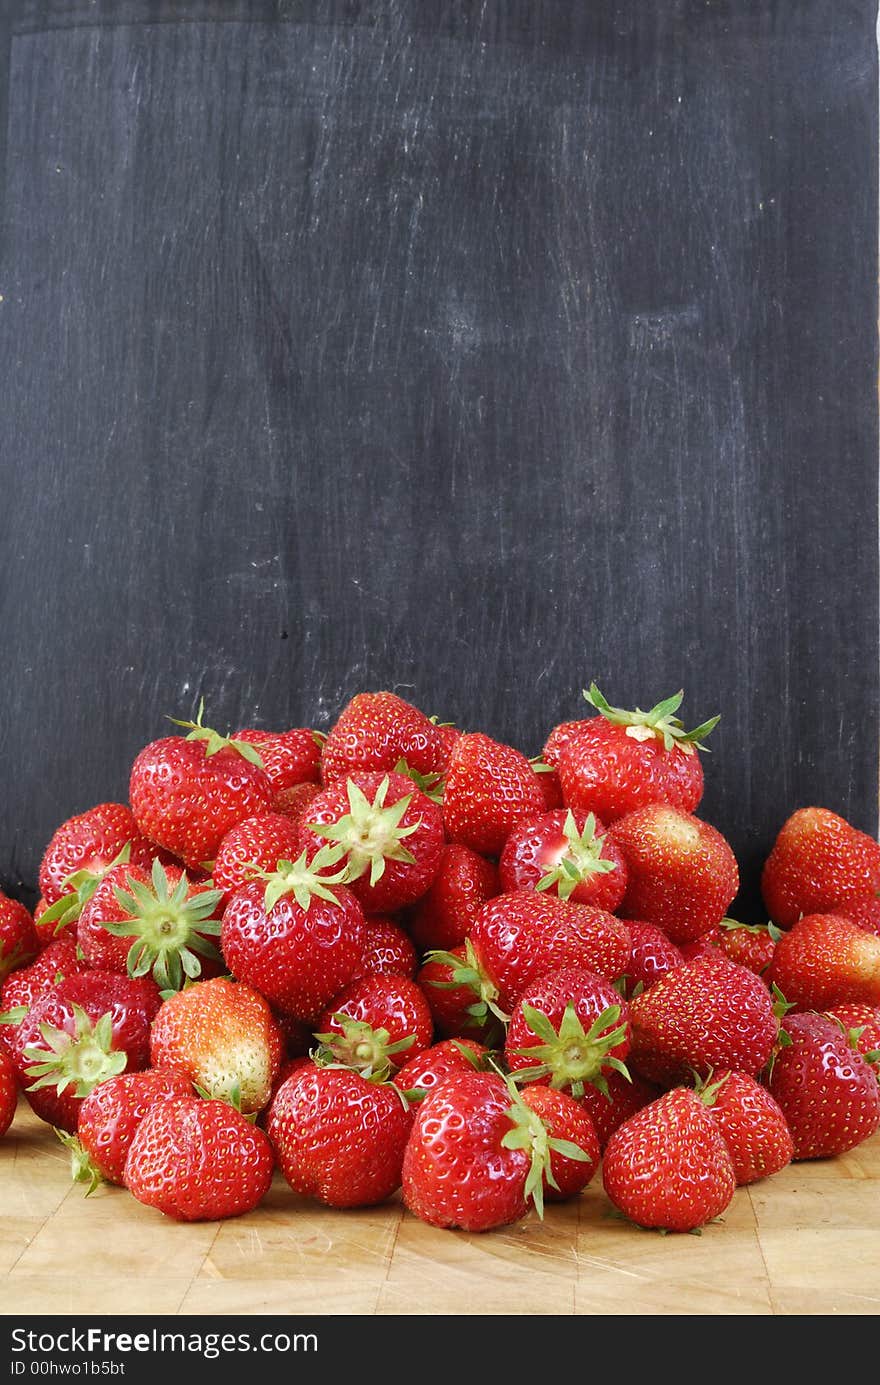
404 956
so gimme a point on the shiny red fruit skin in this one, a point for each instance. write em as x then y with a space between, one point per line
294 803
259 842
297 958
623 1100
705 1015
105 950
826 960
338 1137
605 771
384 1001
551 995
186 801
449 1004
456 1171
25 986
374 732
428 1069
90 841
653 955
490 788
668 1166
19 943
826 1090
751 1125
537 845
387 948
520 936
8 1092
444 915
864 912
560 738
198 1160
860 1017
110 1115
819 863
565 1119
289 757
745 946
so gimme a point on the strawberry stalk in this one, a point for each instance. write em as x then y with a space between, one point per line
370 834
214 741
362 1048
572 1056
79 1060
167 929
659 723
581 859
529 1133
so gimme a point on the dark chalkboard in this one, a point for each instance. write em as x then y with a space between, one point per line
472 350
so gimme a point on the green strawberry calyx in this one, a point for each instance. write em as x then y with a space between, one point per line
468 972
370 834
80 886
305 880
581 859
659 723
214 742
706 1089
167 928
571 1056
431 785
361 1048
80 1059
83 1168
530 1134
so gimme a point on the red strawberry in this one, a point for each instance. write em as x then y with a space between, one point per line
153 923
682 872
706 1014
22 988
567 1125
478 1153
826 1090
548 783
289 757
621 761
490 788
338 1136
668 1166
825 960
8 1092
433 1065
819 863
382 1003
389 834
295 936
861 1024
109 1117
748 944
462 999
864 912
444 915
377 730
223 1036
560 738
198 1160
652 956
81 1031
387 948
19 943
568 1030
566 854
259 842
750 1123
294 803
188 791
91 842
46 932
620 1099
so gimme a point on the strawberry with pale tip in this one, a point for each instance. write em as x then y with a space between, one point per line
819 863
826 960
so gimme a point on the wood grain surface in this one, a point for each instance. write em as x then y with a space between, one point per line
804 1242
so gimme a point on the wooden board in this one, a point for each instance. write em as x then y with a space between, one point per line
804 1242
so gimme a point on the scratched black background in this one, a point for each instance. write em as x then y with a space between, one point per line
470 350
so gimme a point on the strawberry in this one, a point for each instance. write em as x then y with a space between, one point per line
704 1015
864 912
462 999
443 917
568 1029
46 932
91 842
109 1117
259 842
548 783
388 833
23 987
750 1123
339 1137
559 739
565 1120
490 788
8 1092
668 1166
620 1098
825 960
861 1023
374 732
478 1154
818 864
391 1005
84 1029
387 948
151 923
294 803
433 1065
619 761
198 1160
188 791
289 757
652 956
223 1036
826 1090
682 872
295 936
567 854
748 944
19 943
